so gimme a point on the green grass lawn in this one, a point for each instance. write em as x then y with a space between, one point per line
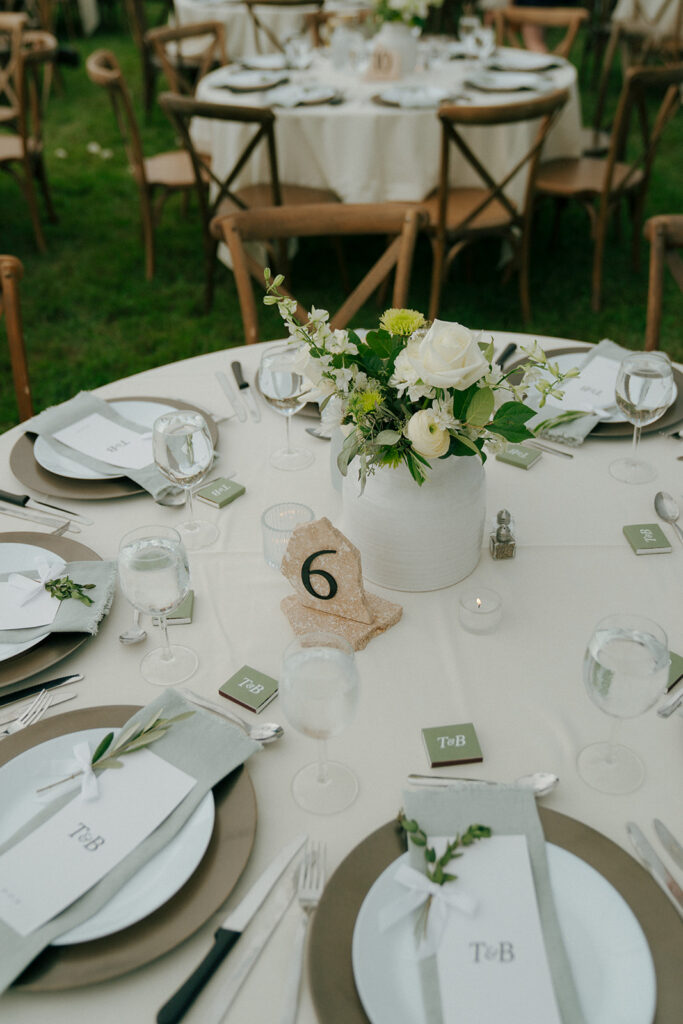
90 316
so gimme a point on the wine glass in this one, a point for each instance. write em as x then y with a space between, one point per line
484 42
284 387
183 451
644 390
319 693
467 26
155 577
625 671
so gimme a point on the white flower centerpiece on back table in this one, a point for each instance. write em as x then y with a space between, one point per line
418 404
401 22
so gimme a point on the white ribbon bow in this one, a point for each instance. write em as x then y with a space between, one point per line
81 762
27 588
444 898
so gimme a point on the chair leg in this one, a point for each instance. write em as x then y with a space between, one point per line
523 259
653 321
39 171
598 257
637 214
438 246
30 195
211 248
148 234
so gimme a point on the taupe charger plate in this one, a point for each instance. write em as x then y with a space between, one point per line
57 645
64 967
330 970
32 475
672 416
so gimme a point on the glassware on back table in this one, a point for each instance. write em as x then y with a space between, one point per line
643 392
625 671
183 451
286 390
155 578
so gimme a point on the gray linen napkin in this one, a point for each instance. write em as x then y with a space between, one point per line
84 404
575 431
507 810
73 616
204 746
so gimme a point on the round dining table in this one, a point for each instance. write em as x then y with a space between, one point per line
520 685
367 150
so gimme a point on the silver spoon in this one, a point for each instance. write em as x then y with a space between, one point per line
540 783
262 732
136 633
319 433
667 509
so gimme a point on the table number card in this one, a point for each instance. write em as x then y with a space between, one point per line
102 439
385 65
250 688
452 744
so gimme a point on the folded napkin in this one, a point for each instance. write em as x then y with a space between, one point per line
72 616
204 746
57 417
575 431
295 95
414 96
507 810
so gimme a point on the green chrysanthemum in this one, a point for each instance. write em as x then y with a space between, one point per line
364 402
401 321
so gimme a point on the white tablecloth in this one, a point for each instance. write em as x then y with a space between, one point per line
370 153
520 686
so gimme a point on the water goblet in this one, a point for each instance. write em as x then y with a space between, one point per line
625 671
319 694
484 42
467 26
155 577
643 392
183 451
286 390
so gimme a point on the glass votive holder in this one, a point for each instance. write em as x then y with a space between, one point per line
480 610
277 524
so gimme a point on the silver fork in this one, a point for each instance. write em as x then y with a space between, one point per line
33 712
309 890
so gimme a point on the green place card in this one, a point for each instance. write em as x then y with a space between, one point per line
647 539
220 492
452 744
675 669
252 689
519 455
182 615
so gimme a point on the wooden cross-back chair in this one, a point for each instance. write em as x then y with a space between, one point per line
11 273
222 196
263 33
21 149
11 30
185 53
600 185
157 177
509 22
399 221
139 25
665 235
459 215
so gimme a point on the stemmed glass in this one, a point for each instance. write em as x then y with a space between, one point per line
643 392
625 671
284 387
319 694
155 577
183 451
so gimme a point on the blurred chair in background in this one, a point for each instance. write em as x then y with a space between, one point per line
185 53
11 273
665 235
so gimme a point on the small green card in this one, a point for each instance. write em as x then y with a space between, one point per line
182 615
675 669
220 492
252 689
452 744
519 455
647 539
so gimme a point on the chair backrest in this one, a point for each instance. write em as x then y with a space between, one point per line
103 69
138 20
38 49
665 234
545 108
399 221
259 19
11 29
509 22
11 273
187 52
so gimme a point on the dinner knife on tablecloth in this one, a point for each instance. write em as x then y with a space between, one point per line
236 405
669 842
37 517
227 935
653 863
20 692
26 501
245 391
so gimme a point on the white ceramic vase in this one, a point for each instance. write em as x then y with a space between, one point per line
417 538
399 38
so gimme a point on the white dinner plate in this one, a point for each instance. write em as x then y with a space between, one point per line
299 94
522 60
155 883
264 62
507 81
413 96
19 558
566 362
244 80
46 456
609 955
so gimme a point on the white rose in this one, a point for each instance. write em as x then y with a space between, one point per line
447 357
425 434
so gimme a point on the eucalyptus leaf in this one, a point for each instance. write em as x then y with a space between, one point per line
387 437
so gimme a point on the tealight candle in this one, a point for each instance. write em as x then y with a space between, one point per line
480 610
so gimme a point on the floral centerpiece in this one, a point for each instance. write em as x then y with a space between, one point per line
408 12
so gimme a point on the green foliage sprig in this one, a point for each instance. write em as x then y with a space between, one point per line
64 588
436 866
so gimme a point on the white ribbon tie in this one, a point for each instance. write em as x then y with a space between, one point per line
444 899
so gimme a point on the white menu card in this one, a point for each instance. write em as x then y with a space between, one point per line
102 439
493 966
593 389
66 855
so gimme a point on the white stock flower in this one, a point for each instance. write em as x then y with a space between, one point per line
339 342
426 436
448 356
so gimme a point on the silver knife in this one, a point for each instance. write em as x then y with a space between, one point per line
58 698
246 392
673 700
26 501
232 397
21 692
664 879
227 935
669 842
34 517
